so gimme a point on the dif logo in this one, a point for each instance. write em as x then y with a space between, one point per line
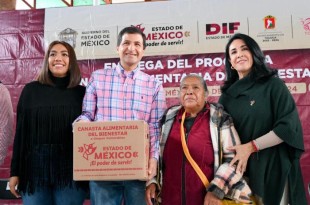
224 28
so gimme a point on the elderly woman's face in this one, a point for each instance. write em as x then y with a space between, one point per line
192 95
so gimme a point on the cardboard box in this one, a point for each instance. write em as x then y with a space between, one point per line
115 150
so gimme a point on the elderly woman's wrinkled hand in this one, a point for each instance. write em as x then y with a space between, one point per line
150 193
211 199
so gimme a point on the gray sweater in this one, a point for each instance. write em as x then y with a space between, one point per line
6 122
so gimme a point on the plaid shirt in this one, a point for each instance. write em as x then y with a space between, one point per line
114 94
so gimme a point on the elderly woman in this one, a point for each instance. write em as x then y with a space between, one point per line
209 132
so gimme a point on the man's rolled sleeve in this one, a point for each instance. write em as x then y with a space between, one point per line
89 101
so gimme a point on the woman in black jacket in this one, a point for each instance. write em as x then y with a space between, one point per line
42 161
266 118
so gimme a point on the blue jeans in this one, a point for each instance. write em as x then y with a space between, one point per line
55 196
114 192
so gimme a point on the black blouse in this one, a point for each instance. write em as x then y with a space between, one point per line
43 145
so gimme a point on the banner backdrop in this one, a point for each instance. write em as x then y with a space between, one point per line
175 46
180 26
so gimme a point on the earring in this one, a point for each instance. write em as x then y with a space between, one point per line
232 67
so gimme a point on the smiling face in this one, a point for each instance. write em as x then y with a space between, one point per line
192 95
58 61
241 58
130 50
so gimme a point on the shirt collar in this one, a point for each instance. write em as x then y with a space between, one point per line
131 74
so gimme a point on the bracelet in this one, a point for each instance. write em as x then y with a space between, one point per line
254 145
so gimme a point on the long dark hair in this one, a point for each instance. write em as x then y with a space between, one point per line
74 70
259 72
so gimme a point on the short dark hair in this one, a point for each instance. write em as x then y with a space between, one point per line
131 30
260 70
201 80
73 72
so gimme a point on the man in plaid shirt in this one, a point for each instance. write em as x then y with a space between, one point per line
125 93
